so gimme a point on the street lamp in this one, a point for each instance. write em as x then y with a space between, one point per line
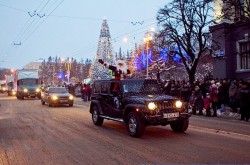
68 67
54 74
147 40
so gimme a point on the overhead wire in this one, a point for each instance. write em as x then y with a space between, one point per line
21 32
116 39
130 34
10 7
26 27
46 17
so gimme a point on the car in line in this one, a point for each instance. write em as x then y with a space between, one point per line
57 96
137 103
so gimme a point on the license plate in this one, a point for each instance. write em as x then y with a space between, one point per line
63 101
170 115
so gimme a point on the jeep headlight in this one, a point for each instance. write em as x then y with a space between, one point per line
13 91
25 90
71 97
54 97
178 104
151 106
37 90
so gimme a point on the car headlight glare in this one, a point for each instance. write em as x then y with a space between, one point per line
151 106
178 104
25 90
71 97
54 97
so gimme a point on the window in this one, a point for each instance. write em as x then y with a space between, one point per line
105 87
244 50
97 87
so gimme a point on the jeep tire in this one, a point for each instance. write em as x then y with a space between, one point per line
180 126
97 120
135 125
22 97
50 104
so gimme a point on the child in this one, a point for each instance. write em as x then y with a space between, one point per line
207 102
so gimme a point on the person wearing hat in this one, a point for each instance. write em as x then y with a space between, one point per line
199 103
244 102
213 91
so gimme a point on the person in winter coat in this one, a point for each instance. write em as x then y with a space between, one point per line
214 98
207 101
85 91
244 102
120 70
232 96
199 104
185 92
223 94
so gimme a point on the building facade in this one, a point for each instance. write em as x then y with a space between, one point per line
33 65
231 39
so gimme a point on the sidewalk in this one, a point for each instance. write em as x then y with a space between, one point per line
228 113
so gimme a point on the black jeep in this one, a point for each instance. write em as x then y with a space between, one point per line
136 103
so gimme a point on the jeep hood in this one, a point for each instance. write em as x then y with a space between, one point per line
141 99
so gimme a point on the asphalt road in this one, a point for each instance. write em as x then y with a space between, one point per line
32 133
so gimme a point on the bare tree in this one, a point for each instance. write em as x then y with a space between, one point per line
184 25
238 10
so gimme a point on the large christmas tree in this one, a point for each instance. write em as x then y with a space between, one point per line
104 52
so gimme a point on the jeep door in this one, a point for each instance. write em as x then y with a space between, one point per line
105 98
115 100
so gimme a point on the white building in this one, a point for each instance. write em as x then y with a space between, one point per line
34 65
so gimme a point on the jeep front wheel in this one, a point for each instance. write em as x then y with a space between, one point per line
135 125
180 126
97 120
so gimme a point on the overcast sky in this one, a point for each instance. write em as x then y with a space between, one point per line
30 30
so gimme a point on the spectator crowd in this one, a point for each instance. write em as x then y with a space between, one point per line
208 97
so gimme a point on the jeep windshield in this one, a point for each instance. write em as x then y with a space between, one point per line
141 87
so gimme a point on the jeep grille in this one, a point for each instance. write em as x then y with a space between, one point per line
166 105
